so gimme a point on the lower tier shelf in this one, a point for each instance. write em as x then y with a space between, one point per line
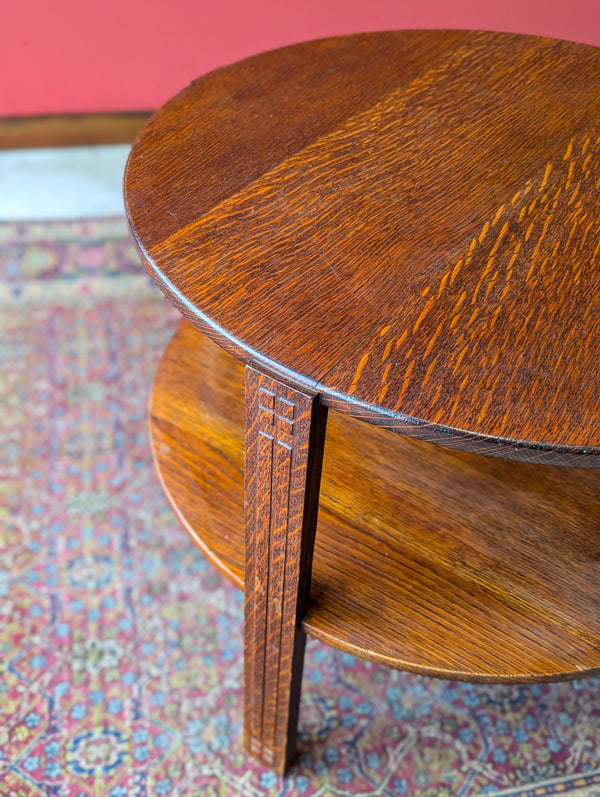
426 559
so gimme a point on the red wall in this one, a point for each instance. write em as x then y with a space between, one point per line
60 56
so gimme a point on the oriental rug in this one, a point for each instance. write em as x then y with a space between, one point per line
121 648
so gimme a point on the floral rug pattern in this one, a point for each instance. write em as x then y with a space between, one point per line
121 648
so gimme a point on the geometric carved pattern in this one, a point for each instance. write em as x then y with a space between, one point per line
284 446
277 416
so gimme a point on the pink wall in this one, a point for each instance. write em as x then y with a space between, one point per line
110 55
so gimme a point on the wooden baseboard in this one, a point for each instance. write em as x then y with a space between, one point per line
70 130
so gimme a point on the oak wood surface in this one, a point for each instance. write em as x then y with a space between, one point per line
70 130
285 432
437 561
408 223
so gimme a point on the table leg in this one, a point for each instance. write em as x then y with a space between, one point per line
285 433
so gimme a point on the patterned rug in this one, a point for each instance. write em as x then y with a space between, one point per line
121 648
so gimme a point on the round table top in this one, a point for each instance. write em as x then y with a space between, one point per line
406 222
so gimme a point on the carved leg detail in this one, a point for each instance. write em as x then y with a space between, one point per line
285 432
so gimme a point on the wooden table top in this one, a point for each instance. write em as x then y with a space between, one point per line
408 222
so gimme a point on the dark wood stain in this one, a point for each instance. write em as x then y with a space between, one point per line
285 432
441 562
408 223
403 229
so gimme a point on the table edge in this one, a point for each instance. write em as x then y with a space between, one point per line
536 452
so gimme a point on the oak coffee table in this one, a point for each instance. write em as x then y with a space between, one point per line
387 251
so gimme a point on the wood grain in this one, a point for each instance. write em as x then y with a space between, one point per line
285 432
407 223
403 228
436 561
